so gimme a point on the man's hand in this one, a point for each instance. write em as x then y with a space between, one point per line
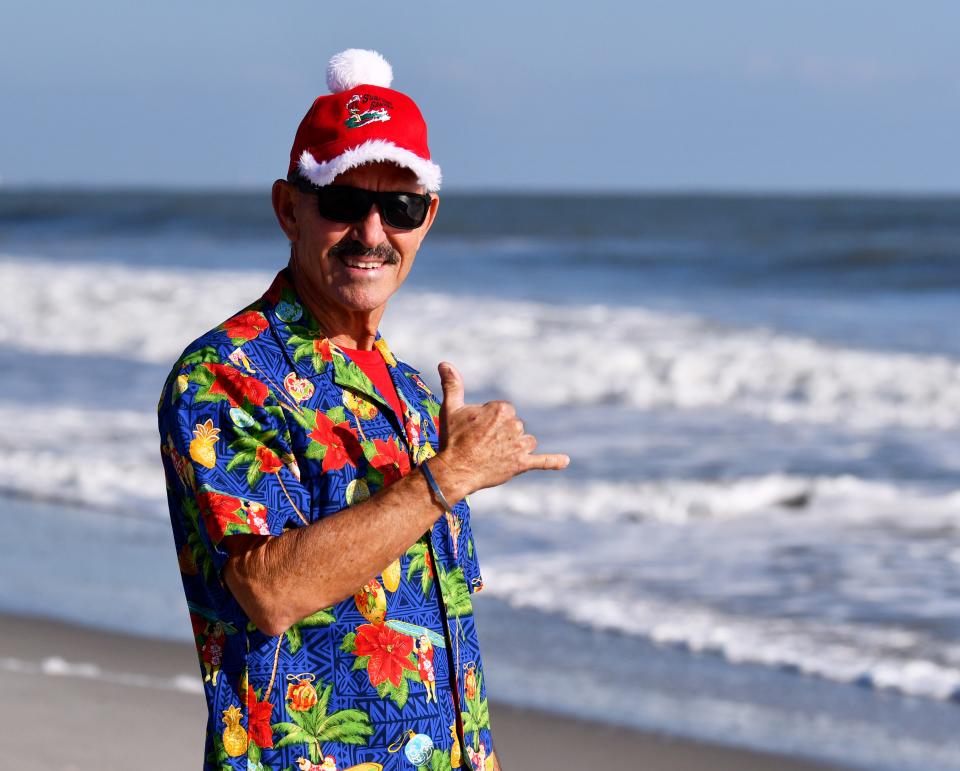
483 445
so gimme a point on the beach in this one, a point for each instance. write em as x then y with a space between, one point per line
117 696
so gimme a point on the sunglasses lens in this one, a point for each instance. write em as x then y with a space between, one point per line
404 210
343 204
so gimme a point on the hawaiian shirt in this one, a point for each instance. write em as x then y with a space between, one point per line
267 425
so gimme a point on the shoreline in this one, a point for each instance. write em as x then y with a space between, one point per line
98 699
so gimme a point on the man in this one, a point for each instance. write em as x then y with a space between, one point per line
317 488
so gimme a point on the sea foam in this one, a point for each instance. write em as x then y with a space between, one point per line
532 353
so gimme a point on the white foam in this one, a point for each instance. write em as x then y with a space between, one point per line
532 353
869 655
110 460
715 539
843 497
726 568
141 314
550 355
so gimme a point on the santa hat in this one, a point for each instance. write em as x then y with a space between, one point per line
362 120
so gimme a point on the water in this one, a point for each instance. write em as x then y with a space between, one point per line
760 398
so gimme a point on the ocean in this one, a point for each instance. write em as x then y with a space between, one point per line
757 540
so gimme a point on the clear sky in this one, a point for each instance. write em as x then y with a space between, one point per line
858 95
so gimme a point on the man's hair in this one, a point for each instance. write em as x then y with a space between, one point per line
297 179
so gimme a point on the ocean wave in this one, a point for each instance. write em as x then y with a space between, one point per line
532 353
592 549
109 459
874 656
558 356
688 501
101 459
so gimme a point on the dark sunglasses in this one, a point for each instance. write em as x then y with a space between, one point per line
342 203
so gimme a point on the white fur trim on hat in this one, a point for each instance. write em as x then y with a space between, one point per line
358 67
323 173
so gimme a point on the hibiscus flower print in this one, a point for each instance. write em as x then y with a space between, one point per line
236 386
321 347
245 327
269 462
219 511
259 714
226 513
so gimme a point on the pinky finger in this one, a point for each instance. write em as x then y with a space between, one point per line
548 462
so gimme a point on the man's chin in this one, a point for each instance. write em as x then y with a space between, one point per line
360 300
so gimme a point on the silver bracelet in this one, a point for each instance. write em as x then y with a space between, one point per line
436 488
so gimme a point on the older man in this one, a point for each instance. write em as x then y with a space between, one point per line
328 586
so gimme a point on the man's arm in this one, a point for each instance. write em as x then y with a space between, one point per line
280 579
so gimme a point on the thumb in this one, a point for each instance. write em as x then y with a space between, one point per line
452 385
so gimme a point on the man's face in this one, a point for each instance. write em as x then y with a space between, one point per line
355 267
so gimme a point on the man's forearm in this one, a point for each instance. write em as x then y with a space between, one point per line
282 579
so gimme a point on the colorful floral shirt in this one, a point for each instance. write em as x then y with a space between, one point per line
267 425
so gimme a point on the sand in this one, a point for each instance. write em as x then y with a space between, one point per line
127 705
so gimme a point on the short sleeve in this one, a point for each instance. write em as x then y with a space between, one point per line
227 459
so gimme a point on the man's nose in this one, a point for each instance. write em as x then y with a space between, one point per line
369 230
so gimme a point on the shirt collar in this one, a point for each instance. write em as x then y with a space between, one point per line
307 349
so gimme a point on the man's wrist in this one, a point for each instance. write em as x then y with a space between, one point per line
447 479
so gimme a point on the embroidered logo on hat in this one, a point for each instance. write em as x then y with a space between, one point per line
393 129
366 108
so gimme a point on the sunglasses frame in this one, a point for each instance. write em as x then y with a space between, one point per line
372 197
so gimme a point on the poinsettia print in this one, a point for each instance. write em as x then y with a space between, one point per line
340 441
389 652
390 460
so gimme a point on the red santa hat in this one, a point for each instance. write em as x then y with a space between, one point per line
362 120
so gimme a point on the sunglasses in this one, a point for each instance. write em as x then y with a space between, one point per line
342 203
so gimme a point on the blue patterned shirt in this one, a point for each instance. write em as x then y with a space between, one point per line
266 425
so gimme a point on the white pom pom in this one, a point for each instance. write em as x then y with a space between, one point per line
358 67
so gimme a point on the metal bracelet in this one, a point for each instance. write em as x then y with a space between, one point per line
436 488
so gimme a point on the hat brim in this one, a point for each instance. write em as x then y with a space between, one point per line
373 150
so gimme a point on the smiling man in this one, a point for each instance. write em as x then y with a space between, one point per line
317 488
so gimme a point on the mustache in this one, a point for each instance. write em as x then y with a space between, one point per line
349 247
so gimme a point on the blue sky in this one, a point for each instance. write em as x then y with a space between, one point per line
688 94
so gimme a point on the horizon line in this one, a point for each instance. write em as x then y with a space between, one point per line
485 190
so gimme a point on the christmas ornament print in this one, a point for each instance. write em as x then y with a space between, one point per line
299 388
417 747
300 692
371 601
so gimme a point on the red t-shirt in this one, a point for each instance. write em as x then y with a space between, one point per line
375 368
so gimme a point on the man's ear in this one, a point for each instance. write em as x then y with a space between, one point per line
284 197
